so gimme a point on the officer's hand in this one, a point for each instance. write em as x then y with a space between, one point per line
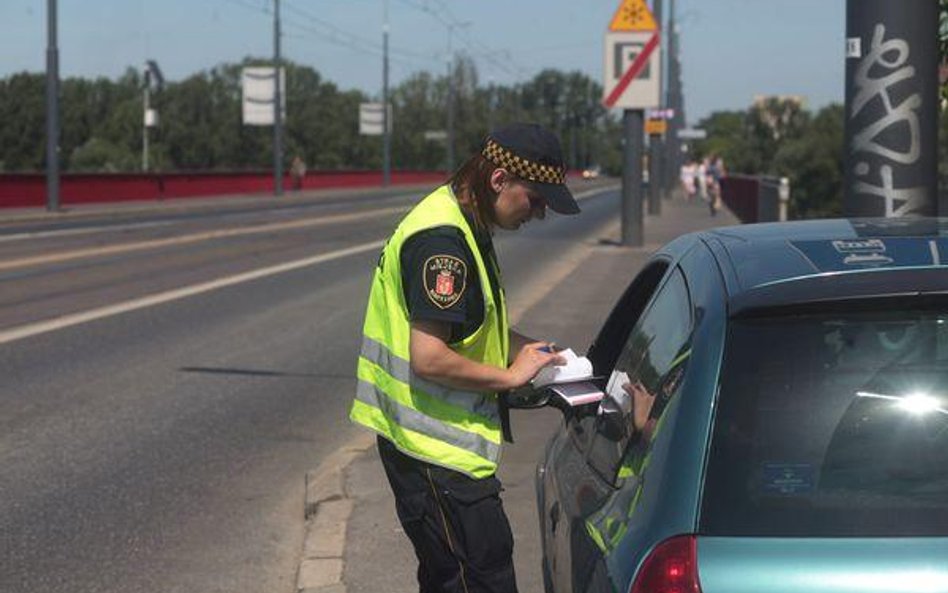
531 358
642 402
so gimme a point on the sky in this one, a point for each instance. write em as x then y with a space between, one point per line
731 50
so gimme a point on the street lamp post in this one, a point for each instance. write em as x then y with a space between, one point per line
277 106
450 60
52 109
387 139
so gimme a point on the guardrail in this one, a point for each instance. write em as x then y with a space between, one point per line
29 189
756 198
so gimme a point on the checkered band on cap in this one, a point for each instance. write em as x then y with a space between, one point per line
521 167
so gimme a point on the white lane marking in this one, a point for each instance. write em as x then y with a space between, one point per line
194 238
284 211
178 293
82 231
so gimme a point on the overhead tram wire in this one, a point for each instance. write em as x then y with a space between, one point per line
476 48
323 31
353 38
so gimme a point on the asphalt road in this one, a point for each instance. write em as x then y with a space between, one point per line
163 448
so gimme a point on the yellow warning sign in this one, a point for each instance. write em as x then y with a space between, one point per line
655 127
633 15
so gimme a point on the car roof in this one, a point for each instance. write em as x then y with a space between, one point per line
786 263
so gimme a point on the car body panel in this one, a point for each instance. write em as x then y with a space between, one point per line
830 565
775 252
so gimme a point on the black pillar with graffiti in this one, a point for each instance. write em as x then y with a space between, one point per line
891 108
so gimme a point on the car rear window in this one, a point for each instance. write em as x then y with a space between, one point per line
832 424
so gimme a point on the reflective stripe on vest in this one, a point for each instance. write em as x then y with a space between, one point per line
418 422
481 404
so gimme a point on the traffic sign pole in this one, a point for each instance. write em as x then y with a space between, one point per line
654 177
632 132
631 82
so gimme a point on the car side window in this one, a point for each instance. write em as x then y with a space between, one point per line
647 374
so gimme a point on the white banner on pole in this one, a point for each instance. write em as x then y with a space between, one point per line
371 119
258 91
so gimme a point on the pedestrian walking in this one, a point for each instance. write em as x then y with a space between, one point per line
438 349
298 172
687 175
701 175
716 173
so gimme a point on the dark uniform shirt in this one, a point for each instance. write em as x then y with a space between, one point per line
441 280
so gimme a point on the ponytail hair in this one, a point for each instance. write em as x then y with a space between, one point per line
471 185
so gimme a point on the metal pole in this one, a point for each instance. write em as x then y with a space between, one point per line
657 143
52 109
632 234
277 106
146 102
891 108
450 102
673 92
654 179
387 139
490 105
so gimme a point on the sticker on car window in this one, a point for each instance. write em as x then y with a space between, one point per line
787 478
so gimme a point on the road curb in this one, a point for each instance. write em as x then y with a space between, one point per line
326 510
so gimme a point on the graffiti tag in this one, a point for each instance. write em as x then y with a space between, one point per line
890 56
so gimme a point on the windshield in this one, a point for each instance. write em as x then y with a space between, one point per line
832 425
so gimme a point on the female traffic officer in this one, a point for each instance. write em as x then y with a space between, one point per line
437 349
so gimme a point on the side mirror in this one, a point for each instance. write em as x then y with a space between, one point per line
528 398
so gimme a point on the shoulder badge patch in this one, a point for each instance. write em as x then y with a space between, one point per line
445 278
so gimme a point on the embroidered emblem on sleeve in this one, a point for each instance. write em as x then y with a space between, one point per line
445 279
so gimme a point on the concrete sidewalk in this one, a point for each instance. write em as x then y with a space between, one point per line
377 555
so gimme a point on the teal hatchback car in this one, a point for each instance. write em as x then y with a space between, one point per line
775 419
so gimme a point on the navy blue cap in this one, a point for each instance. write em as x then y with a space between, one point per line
533 154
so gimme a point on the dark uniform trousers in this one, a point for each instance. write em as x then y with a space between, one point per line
457 525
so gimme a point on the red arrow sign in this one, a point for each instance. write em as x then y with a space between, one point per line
632 72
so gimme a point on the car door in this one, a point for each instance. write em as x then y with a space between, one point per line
587 464
563 471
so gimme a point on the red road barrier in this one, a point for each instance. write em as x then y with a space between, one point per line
739 194
29 189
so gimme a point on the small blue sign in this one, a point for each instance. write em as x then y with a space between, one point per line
787 478
861 253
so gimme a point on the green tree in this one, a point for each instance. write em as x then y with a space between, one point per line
813 162
200 125
23 133
727 136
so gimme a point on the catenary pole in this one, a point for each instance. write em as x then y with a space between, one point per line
386 135
52 109
277 105
450 61
656 144
673 91
891 108
146 100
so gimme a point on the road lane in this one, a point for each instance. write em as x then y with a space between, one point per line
164 448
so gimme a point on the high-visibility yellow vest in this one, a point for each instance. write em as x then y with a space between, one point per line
435 423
